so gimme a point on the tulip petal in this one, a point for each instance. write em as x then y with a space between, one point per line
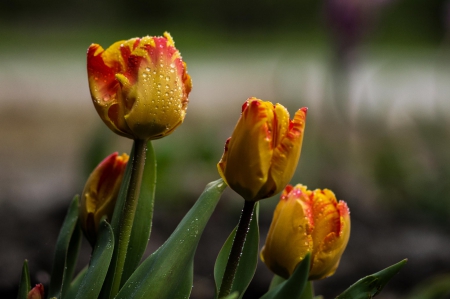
100 193
250 150
330 235
159 79
288 239
287 151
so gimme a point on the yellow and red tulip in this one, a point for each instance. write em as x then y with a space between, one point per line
100 194
261 156
140 86
304 222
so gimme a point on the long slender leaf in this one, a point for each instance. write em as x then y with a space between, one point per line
142 225
25 285
101 257
75 285
370 286
248 262
115 225
234 295
62 248
293 287
167 273
71 260
276 280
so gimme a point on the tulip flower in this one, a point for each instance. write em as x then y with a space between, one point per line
100 194
139 87
304 222
37 292
261 156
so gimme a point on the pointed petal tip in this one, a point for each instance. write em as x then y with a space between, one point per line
304 109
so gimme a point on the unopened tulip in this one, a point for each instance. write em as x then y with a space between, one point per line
100 194
139 87
261 155
37 292
304 222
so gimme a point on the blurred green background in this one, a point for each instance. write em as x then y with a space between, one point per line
374 75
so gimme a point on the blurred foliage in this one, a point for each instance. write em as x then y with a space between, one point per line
436 287
411 166
400 22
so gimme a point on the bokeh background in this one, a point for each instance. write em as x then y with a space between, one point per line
374 74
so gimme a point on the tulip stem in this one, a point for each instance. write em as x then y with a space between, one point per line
236 249
129 210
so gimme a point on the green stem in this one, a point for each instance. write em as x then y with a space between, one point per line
236 249
129 210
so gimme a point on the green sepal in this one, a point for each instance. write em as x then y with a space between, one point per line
370 286
248 262
98 267
142 225
25 285
75 284
294 286
167 273
67 242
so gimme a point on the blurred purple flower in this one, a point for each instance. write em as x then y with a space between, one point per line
349 20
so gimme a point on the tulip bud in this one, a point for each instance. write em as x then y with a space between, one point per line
261 156
37 292
304 222
100 194
139 87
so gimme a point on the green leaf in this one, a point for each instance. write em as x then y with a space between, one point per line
293 287
234 295
98 267
72 257
276 280
62 265
308 291
370 286
142 225
248 262
167 273
115 224
25 285
75 285
122 196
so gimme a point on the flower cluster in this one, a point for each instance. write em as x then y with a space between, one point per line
140 89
